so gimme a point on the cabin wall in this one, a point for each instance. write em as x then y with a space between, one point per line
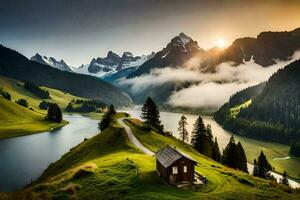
161 170
181 176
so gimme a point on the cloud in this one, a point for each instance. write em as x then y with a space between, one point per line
208 89
209 94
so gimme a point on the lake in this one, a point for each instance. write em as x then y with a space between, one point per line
23 159
276 153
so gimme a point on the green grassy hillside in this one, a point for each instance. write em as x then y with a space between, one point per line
108 166
16 120
17 91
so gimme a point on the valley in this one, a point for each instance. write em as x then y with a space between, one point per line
149 100
109 159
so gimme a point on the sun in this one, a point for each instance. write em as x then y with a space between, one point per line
221 43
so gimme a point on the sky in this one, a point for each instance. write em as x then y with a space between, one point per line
78 31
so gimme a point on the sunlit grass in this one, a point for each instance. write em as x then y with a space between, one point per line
236 109
16 120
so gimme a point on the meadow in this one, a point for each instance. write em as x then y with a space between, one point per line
16 120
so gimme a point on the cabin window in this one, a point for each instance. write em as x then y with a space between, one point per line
185 169
174 170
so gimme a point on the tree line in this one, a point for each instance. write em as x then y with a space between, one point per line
43 94
81 105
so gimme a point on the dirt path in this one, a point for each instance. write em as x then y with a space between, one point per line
133 139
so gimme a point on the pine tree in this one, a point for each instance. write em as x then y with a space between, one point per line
183 133
202 141
112 110
263 166
230 154
104 123
216 155
150 113
242 160
234 156
255 168
209 132
284 179
145 115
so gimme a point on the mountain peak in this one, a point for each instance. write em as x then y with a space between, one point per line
37 55
127 54
111 54
184 38
51 61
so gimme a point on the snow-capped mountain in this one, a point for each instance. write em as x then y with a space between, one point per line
61 65
176 53
112 64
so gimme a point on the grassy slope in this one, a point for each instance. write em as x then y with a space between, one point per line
236 109
107 166
17 91
16 120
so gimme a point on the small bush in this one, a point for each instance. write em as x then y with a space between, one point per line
5 94
42 187
22 102
227 173
44 105
245 181
71 188
84 170
112 182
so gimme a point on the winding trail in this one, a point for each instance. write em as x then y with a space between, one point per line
133 139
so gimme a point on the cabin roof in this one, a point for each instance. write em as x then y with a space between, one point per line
168 155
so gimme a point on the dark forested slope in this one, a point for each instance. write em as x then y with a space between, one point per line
17 66
274 113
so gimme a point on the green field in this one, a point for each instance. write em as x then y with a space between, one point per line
17 91
16 120
236 109
108 166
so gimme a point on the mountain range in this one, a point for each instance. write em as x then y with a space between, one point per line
15 65
264 50
61 65
111 65
267 49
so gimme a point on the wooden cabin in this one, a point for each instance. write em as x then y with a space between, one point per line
175 166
